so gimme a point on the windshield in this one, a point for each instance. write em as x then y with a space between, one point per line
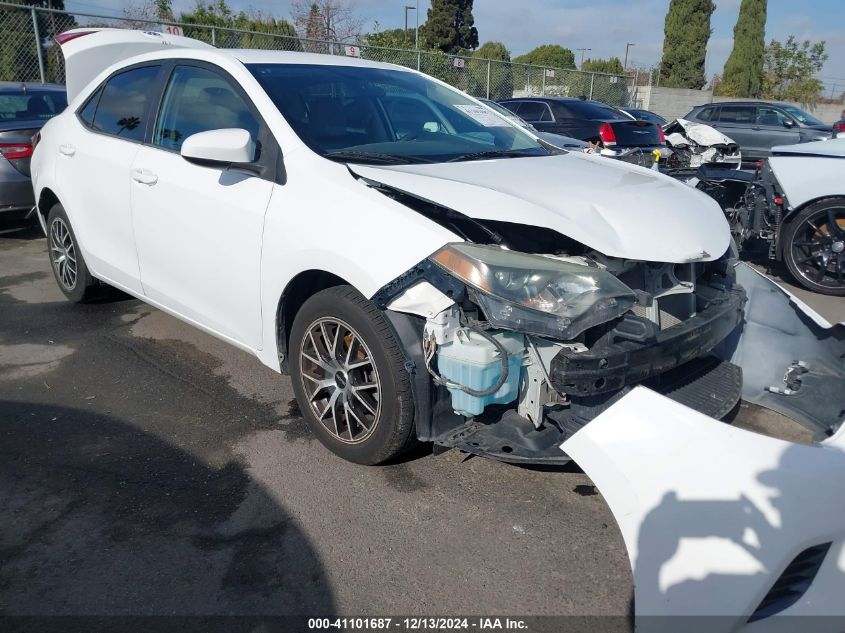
359 113
30 106
802 116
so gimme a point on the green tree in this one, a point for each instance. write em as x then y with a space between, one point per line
18 48
389 38
743 74
788 70
685 34
550 55
218 14
449 26
501 75
612 66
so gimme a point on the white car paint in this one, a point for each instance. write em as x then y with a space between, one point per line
611 206
84 62
712 514
810 171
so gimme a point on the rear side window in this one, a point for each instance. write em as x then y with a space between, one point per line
124 103
707 114
87 112
737 114
596 111
198 100
535 111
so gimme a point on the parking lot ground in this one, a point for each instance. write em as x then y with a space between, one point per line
146 468
149 469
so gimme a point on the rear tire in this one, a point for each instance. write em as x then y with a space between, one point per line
349 377
66 261
814 247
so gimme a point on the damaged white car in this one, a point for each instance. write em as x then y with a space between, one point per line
696 144
424 269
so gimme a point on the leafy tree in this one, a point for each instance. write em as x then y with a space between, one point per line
449 26
18 51
388 38
743 75
550 55
501 75
788 70
219 14
612 66
685 34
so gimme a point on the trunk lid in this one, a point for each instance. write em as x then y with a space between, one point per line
635 133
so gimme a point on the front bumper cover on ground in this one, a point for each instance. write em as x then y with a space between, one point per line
627 361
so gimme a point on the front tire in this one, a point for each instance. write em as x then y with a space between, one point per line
349 377
66 261
814 247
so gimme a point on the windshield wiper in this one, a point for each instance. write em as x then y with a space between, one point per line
493 153
372 157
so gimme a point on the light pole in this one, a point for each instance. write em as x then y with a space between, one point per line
417 29
408 8
582 53
627 46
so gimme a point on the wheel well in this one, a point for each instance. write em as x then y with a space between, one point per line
297 292
45 202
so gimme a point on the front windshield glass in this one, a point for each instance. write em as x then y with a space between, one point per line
802 116
376 115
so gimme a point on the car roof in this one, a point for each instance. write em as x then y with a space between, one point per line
558 100
738 103
22 86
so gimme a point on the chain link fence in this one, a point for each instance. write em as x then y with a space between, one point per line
29 53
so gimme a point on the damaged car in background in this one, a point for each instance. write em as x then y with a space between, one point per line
791 209
696 144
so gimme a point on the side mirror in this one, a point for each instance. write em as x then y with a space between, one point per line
789 123
220 148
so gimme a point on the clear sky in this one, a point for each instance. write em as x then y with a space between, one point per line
605 26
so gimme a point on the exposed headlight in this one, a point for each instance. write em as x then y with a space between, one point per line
536 294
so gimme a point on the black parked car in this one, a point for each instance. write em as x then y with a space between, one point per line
757 126
24 108
645 115
619 133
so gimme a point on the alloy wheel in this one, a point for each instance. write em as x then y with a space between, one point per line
818 248
63 253
340 379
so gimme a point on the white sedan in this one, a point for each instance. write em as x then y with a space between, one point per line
427 270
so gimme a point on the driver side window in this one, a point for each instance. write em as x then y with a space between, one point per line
198 100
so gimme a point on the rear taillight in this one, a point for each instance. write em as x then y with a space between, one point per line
12 151
840 127
67 36
660 134
607 135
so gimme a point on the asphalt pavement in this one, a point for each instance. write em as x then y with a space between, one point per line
149 469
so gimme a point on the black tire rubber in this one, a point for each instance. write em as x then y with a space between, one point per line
394 433
86 288
788 237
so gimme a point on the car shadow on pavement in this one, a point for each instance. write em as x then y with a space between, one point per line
103 519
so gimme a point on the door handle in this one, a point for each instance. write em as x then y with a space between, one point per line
67 150
144 176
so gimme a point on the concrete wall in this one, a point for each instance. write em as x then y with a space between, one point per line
671 103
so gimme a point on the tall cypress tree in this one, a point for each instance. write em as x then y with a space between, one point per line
743 75
449 26
685 34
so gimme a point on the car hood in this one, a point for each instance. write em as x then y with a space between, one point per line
617 209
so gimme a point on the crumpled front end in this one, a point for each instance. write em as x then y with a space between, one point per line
514 351
696 144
